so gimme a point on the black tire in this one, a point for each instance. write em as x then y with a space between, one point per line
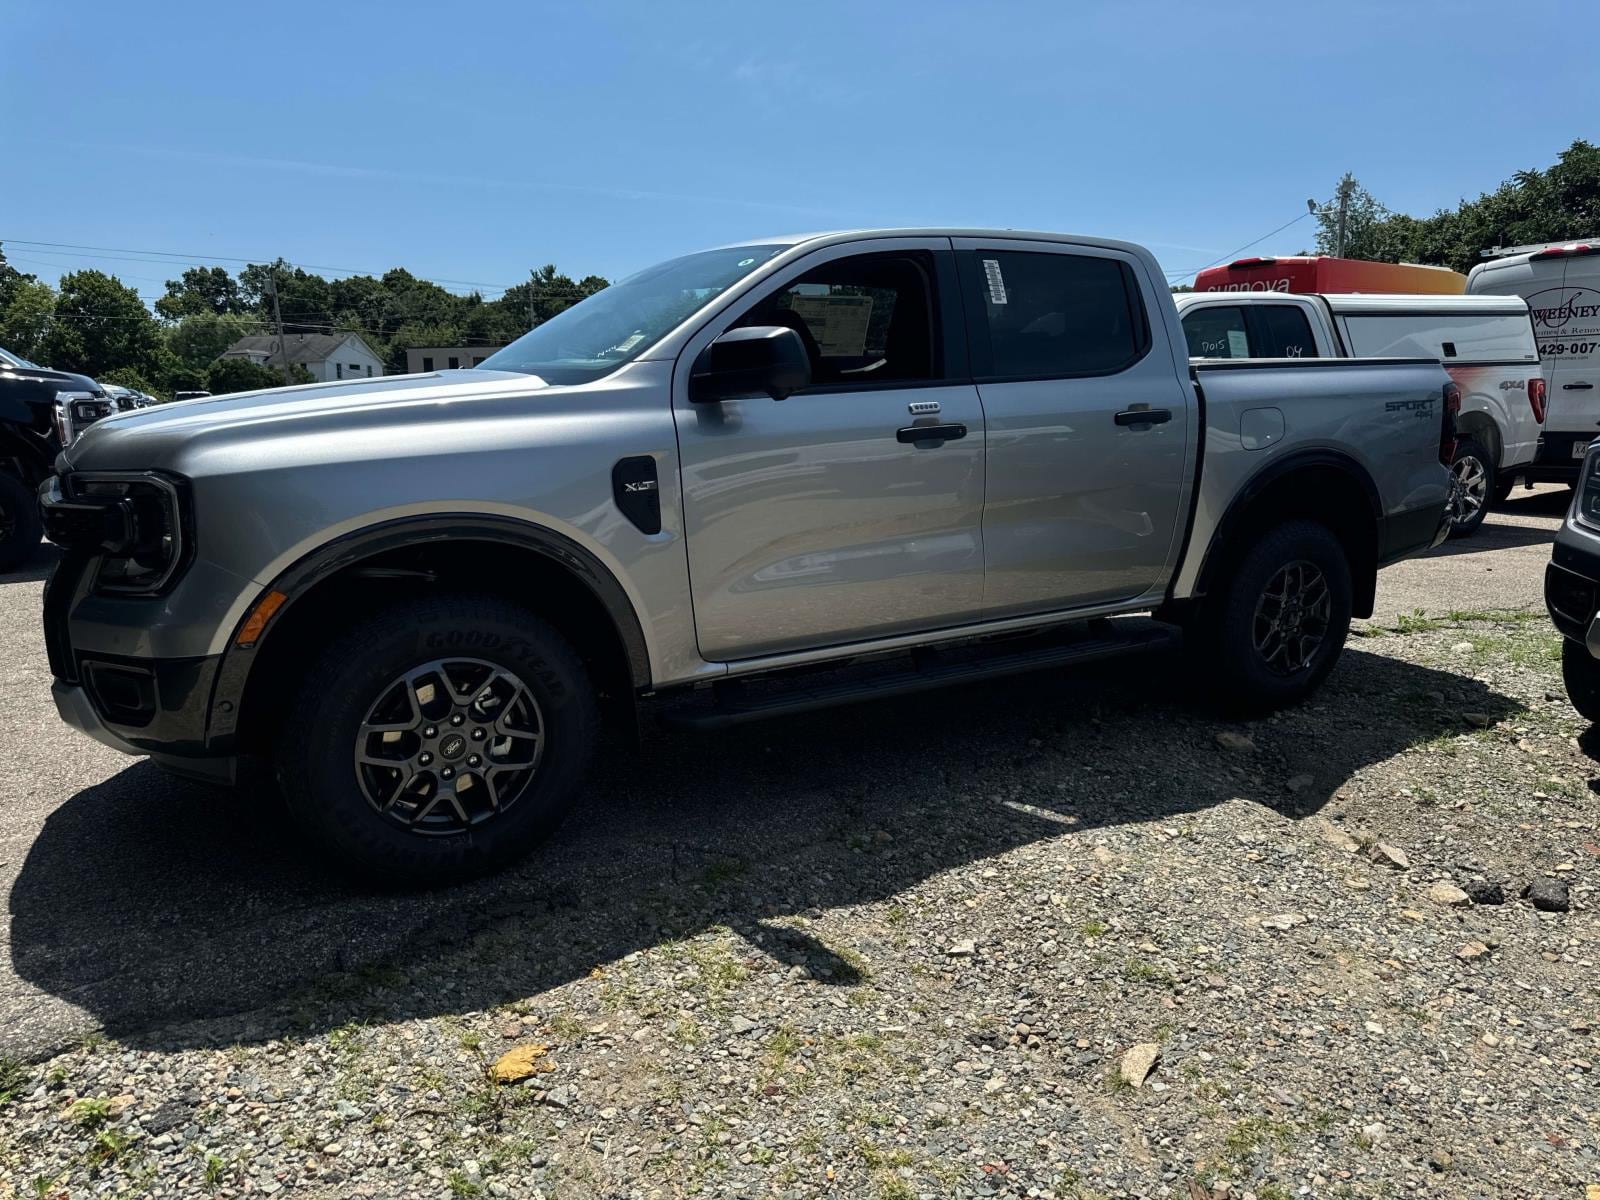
1241 668
316 748
20 523
1471 487
1581 674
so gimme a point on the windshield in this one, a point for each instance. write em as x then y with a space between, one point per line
11 360
597 335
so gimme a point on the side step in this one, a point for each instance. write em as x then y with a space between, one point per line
738 701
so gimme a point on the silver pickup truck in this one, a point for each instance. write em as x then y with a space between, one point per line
747 481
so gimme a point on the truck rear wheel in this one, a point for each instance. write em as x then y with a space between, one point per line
20 527
1472 473
438 740
1273 628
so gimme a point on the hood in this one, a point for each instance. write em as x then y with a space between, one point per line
63 381
144 437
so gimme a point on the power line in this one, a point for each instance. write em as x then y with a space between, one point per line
1196 270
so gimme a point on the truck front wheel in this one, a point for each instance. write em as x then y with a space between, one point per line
20 528
437 740
1581 674
1272 628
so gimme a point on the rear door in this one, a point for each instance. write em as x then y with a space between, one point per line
1083 492
1566 320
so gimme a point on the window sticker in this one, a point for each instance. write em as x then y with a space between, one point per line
996 281
839 323
1238 344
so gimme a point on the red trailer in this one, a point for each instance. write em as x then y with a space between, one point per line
1324 273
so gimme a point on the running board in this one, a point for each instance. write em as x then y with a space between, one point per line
737 702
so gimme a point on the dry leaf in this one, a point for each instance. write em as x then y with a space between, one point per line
521 1061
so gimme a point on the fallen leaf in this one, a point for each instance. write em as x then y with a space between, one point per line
521 1061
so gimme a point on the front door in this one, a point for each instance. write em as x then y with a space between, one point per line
1083 494
817 520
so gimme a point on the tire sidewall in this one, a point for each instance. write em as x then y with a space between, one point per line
1246 678
1580 674
316 751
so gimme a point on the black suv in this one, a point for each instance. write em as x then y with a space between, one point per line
40 413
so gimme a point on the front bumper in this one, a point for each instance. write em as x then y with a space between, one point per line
77 708
138 703
1572 584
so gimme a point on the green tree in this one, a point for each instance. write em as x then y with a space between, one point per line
100 324
27 316
240 375
201 290
198 340
1552 205
10 279
1365 221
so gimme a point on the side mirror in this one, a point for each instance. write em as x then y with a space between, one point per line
761 360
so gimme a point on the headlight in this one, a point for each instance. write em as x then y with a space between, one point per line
1587 503
75 410
135 522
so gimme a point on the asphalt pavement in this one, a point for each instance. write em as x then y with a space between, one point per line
139 904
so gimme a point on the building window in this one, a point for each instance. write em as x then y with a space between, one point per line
369 370
454 362
338 370
427 362
355 369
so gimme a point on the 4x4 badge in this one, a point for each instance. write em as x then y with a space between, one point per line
923 408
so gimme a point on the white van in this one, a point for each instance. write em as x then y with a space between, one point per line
1485 342
1561 283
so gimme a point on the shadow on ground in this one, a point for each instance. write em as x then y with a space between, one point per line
35 567
179 916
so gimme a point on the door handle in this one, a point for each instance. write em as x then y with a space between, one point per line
1144 416
930 433
1576 387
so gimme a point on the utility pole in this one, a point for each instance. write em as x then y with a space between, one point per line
277 319
1345 185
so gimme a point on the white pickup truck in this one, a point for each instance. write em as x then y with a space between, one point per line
1486 343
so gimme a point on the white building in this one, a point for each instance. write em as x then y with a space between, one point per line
446 358
327 356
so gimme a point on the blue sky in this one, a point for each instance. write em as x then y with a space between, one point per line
471 142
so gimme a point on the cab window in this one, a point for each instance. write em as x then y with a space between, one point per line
865 321
1216 332
1052 316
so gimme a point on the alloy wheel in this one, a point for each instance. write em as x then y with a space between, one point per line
449 745
1469 488
1291 617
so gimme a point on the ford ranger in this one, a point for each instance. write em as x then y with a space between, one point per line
745 482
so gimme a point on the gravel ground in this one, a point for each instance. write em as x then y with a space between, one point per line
926 948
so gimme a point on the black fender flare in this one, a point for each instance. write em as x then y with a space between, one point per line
302 577
1270 474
